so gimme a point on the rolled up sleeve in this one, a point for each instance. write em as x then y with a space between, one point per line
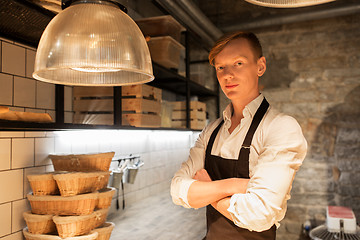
264 203
182 179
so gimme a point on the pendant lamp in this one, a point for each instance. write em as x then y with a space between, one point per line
93 43
288 3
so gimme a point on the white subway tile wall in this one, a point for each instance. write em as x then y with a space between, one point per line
30 62
24 92
24 153
19 90
5 154
17 220
6 89
10 134
15 236
43 146
13 59
11 185
27 153
5 220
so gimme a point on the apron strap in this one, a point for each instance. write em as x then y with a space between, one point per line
243 159
212 139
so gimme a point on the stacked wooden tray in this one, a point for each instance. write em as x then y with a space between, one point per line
197 115
72 202
141 105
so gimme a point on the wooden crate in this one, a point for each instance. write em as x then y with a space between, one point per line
141 120
196 124
197 115
94 105
142 91
181 105
140 105
94 118
194 114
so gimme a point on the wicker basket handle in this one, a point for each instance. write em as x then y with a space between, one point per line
75 161
97 216
99 178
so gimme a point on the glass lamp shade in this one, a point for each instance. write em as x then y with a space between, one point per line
92 44
287 3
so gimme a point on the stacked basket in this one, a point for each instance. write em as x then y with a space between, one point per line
72 202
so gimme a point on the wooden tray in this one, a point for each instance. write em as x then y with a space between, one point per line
141 120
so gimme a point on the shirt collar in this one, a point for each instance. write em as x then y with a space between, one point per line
249 109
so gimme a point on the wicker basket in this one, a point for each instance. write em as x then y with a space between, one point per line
105 231
43 184
71 184
29 236
101 215
39 224
105 197
82 162
74 225
58 205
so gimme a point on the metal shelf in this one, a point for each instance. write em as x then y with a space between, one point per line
28 31
169 79
35 126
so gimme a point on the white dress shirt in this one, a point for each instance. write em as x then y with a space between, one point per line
276 153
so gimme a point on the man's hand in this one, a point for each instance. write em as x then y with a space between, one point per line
236 185
202 175
204 191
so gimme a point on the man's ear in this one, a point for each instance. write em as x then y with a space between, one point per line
261 66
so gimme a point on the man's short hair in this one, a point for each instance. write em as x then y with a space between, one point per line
226 38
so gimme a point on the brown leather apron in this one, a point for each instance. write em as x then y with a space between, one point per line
218 226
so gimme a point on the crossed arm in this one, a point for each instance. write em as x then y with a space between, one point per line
217 193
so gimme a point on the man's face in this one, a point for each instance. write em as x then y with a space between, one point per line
238 70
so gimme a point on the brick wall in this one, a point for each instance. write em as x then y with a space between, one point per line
314 75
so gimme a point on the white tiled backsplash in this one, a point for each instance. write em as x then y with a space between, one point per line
19 90
24 153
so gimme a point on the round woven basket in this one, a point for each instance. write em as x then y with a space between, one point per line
82 162
58 205
74 183
29 236
39 224
105 197
43 184
74 225
104 231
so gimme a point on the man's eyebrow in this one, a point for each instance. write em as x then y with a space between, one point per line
233 59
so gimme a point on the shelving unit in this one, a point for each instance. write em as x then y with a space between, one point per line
166 79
